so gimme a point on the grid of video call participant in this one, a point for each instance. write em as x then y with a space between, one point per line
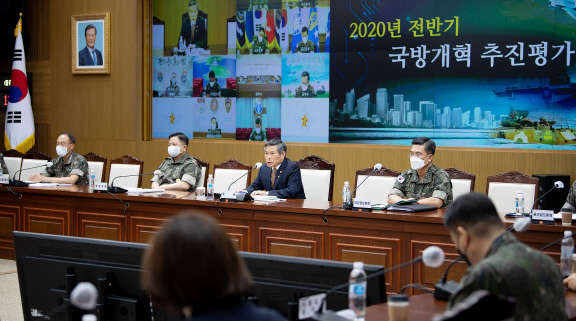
266 77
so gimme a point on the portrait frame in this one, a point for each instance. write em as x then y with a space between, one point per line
82 61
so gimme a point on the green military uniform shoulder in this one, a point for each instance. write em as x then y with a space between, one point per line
186 169
259 47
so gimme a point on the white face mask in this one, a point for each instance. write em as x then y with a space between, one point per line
304 87
173 81
173 151
211 84
304 39
61 150
417 163
258 130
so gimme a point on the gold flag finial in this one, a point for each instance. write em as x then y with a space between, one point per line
18 26
20 14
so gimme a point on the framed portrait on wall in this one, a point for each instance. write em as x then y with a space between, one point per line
91 43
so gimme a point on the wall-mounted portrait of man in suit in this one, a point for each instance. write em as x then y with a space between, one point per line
91 44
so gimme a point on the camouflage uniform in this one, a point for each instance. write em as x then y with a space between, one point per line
172 89
436 183
511 268
213 91
186 169
307 47
256 5
571 199
3 165
75 165
308 93
258 137
306 4
259 47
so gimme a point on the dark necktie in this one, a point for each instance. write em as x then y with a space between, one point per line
274 170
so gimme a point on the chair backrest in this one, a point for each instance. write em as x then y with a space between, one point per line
227 172
13 160
378 186
126 165
502 190
205 169
462 182
99 164
32 160
317 177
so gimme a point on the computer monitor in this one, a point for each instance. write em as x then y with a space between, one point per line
279 280
50 266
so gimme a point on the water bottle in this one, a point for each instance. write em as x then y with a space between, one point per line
357 291
519 204
92 178
346 193
567 251
210 189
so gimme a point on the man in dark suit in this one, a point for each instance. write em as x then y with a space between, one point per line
89 55
279 176
193 29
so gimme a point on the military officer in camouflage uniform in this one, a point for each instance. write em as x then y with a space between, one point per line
173 90
500 264
212 88
179 171
260 43
256 5
571 199
258 134
305 46
425 182
3 165
68 167
305 90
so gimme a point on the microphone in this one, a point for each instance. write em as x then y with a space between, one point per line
348 206
17 182
432 256
557 184
443 290
521 225
116 189
555 242
84 296
256 166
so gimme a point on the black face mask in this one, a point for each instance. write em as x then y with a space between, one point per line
464 257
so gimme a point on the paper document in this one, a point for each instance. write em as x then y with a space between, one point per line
43 185
145 190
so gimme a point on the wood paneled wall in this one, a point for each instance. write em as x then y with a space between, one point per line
37 19
103 112
218 12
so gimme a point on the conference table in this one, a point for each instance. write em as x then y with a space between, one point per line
291 227
424 307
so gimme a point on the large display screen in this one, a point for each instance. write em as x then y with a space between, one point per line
486 73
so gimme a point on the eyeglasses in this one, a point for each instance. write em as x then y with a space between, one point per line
418 154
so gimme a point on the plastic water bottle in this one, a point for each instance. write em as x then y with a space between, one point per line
519 204
92 178
210 189
346 193
567 251
357 291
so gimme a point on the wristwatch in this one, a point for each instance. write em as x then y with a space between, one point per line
267 193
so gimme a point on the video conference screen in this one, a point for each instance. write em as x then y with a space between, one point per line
467 74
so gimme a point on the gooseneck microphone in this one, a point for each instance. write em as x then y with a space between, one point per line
116 189
432 256
348 206
557 184
521 225
256 166
17 182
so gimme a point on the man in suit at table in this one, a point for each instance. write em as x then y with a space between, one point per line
193 30
279 176
90 56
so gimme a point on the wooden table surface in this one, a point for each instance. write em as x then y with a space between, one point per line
292 227
424 307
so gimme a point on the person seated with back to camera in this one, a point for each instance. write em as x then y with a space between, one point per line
192 267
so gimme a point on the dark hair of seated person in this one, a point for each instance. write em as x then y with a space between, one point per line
192 263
